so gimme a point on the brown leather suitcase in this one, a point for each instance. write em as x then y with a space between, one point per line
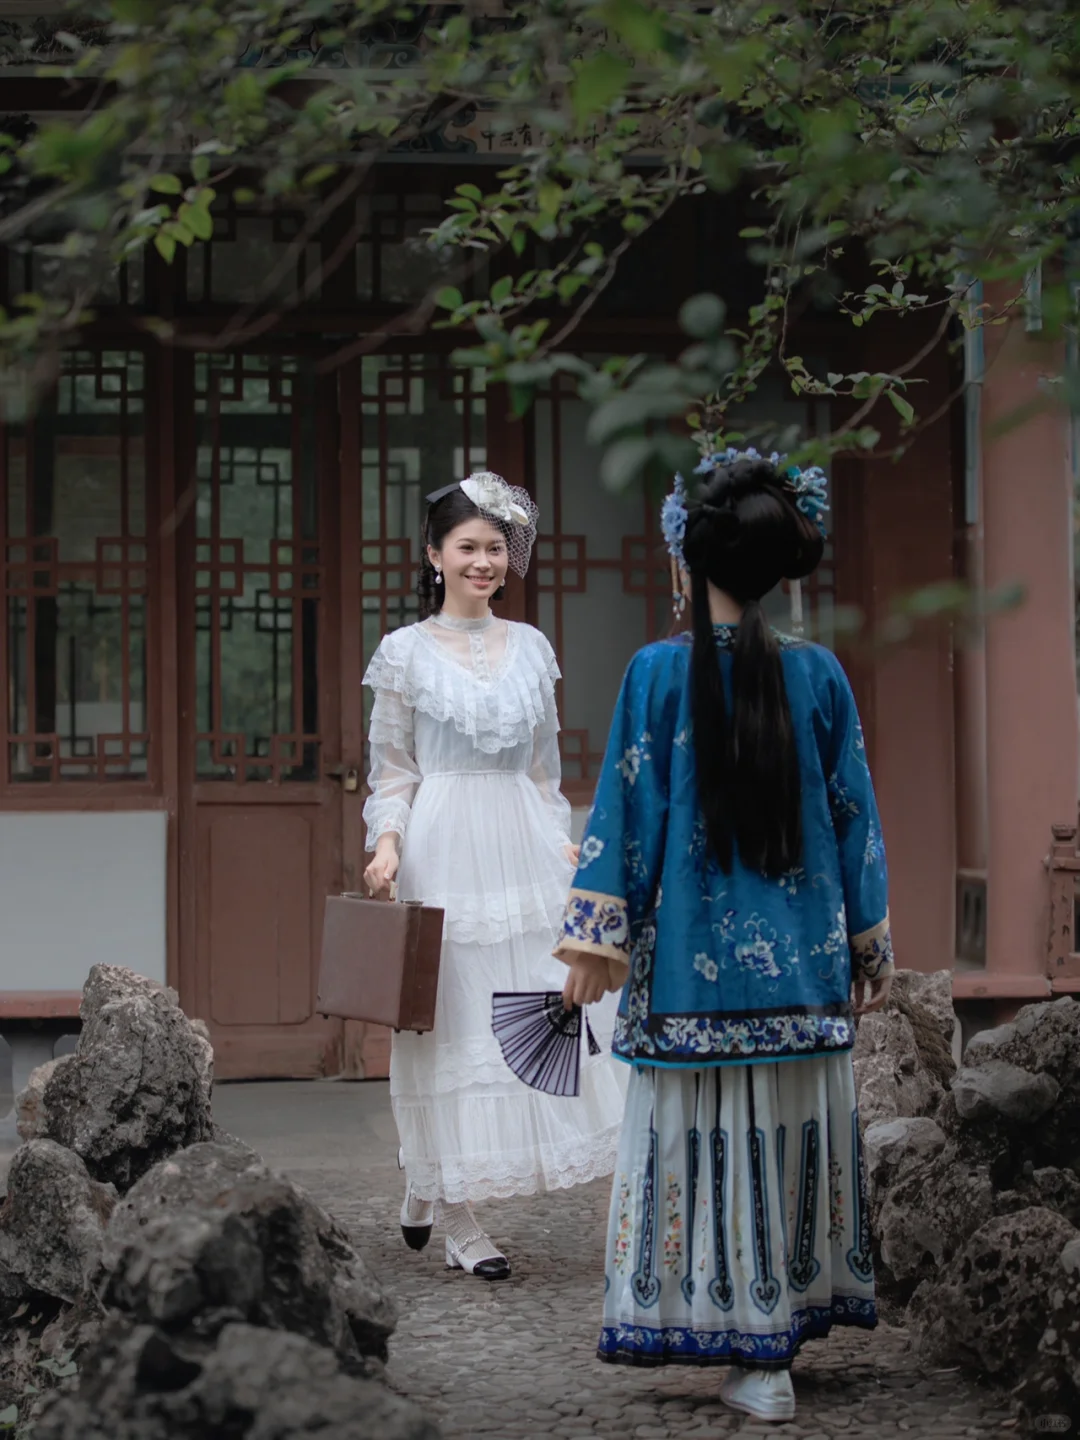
380 961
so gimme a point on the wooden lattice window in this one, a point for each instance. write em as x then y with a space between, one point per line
422 426
42 266
258 570
254 258
602 581
77 577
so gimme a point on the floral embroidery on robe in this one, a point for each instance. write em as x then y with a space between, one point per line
745 966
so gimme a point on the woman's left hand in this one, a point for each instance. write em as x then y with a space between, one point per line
878 997
573 854
587 981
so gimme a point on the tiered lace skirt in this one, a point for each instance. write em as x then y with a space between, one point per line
738 1225
483 846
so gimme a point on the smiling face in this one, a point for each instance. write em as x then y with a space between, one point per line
473 561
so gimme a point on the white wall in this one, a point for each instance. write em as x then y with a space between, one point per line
77 890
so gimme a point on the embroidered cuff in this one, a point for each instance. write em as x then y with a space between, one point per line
596 924
872 952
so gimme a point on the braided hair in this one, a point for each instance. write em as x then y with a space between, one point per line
453 509
744 534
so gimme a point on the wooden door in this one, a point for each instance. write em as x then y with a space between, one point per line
260 717
410 424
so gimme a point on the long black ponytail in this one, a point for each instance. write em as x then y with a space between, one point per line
744 535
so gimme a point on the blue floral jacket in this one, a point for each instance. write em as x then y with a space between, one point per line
741 967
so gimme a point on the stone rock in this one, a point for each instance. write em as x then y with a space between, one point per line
1043 1039
248 1384
993 1044
1052 1384
926 1000
998 1088
988 1309
892 1149
138 1085
196 1177
52 1223
887 1143
30 1103
13 1291
890 1078
927 1216
1043 1036
211 1236
1050 1188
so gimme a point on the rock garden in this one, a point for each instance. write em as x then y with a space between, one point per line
974 1184
157 1280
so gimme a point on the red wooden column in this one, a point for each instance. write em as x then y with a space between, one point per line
1031 704
907 532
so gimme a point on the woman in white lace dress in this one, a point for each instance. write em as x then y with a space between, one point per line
466 813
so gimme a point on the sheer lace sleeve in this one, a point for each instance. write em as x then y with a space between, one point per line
394 773
546 769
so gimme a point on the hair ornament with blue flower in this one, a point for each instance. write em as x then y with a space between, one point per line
808 488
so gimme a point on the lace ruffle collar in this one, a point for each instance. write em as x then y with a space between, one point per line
458 622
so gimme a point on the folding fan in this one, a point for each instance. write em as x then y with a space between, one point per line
541 1040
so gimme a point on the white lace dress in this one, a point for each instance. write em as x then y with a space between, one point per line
465 769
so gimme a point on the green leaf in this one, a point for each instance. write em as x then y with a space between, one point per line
904 408
320 173
502 289
167 185
471 192
165 245
600 80
702 316
134 12
179 231
200 167
624 461
9 1416
752 232
198 220
640 27
518 241
521 399
449 298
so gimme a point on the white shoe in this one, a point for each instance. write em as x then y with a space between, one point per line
468 1248
765 1394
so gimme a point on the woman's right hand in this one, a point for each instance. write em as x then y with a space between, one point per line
379 875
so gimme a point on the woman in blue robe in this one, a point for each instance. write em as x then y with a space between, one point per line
732 884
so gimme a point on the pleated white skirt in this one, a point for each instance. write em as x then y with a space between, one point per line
483 848
738 1226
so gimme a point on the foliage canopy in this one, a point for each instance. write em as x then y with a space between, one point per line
889 157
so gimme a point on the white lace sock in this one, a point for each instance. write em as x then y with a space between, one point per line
468 1245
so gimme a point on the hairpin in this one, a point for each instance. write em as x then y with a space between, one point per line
673 527
808 488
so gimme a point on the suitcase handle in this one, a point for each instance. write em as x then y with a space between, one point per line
359 895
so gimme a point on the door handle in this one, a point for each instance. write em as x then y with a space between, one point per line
348 776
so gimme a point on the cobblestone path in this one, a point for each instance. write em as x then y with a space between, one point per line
514 1360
